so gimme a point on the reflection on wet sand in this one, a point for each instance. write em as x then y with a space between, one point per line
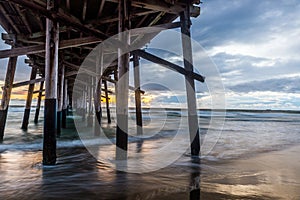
273 175
77 175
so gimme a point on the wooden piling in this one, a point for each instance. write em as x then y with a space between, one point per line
90 120
190 84
65 105
97 94
38 105
107 102
51 69
9 79
138 103
123 83
84 103
60 96
29 100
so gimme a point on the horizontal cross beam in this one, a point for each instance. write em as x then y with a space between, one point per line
167 64
38 91
64 44
23 83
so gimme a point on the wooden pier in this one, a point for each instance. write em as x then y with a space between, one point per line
57 35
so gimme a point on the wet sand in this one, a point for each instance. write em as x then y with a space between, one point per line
270 175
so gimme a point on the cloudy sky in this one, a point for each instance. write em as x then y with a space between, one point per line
254 45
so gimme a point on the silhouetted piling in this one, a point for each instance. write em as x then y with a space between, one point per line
6 94
51 70
138 103
190 83
29 99
38 105
123 83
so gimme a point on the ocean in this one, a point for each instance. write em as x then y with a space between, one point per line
245 155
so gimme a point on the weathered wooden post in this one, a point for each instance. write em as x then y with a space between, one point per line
97 94
190 84
90 107
9 79
138 103
65 105
107 102
51 69
123 82
29 99
60 96
38 105
84 103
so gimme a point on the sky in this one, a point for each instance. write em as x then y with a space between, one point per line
254 46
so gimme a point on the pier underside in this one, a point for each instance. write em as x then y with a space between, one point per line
57 36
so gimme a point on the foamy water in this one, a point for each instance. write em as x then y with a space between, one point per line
79 175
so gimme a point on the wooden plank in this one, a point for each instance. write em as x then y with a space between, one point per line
61 16
84 7
189 79
9 78
115 18
168 64
101 8
4 23
157 5
138 31
7 17
29 100
71 73
64 44
24 19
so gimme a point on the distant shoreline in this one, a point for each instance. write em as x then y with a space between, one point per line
215 110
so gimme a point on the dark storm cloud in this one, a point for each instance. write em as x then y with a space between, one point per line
245 21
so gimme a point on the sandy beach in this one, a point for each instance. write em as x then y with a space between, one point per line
270 175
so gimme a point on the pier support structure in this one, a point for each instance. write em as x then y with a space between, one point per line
138 103
60 96
65 105
38 104
190 84
90 105
123 82
29 99
97 95
51 69
107 102
8 85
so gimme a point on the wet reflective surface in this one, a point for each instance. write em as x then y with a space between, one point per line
256 157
